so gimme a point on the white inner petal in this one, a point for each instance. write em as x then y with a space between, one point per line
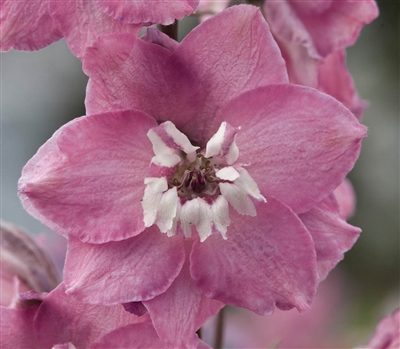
228 173
179 138
233 153
238 198
249 185
151 199
214 145
167 210
220 213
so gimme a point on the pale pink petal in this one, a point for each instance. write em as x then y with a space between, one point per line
132 270
336 26
387 333
346 198
126 72
24 264
16 328
154 36
296 143
180 311
26 25
134 336
331 234
266 260
81 23
88 179
335 80
148 12
295 42
230 53
62 319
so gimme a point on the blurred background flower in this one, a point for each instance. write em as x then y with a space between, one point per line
40 91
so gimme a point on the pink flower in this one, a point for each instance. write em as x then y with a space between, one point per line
313 36
182 189
346 198
387 333
31 25
25 265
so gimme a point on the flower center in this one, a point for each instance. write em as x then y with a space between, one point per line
194 187
196 179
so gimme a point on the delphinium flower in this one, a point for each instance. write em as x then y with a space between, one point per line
387 333
31 25
313 36
182 187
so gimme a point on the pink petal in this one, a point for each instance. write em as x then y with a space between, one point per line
16 328
296 143
88 179
337 26
62 319
335 80
134 336
154 36
331 234
387 333
148 12
24 264
26 25
346 198
180 311
295 42
267 260
82 23
126 72
132 270
322 27
230 53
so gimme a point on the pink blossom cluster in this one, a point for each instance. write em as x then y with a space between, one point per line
206 173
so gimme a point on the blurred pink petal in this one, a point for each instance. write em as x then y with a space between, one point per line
387 333
313 35
335 80
331 234
26 25
24 264
346 198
